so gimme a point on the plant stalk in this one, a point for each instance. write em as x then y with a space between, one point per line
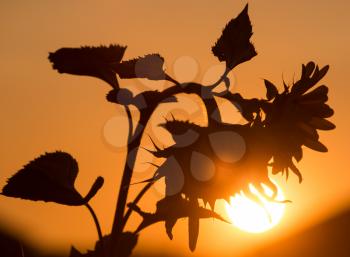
136 200
117 227
97 224
98 228
221 79
119 218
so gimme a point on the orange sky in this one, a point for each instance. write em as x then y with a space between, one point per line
44 111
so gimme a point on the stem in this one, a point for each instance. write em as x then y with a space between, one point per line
221 79
98 227
128 113
124 185
136 200
117 227
167 77
119 220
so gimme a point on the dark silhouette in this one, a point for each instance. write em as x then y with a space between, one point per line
172 208
50 178
276 128
234 46
98 62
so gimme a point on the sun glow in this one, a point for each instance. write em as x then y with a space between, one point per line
250 216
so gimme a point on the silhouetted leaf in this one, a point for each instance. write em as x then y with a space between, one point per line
179 127
172 208
296 171
234 46
298 154
308 130
309 68
150 66
310 76
322 124
315 145
319 94
271 90
193 227
49 178
99 62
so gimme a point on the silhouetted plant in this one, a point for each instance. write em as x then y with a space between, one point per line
220 160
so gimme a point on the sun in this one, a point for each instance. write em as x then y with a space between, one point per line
253 217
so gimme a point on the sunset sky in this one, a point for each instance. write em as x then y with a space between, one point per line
42 110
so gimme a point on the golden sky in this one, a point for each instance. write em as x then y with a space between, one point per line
44 111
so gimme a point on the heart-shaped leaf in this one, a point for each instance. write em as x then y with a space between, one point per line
234 46
50 178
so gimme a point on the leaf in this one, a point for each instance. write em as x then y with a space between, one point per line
49 178
150 66
308 130
318 110
315 145
319 94
234 46
172 208
321 124
309 68
179 127
99 62
169 224
271 90
310 76
193 227
298 154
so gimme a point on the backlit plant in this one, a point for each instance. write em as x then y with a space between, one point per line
219 159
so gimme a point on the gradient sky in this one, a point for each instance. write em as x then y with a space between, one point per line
44 111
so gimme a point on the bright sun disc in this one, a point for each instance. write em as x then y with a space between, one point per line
249 216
